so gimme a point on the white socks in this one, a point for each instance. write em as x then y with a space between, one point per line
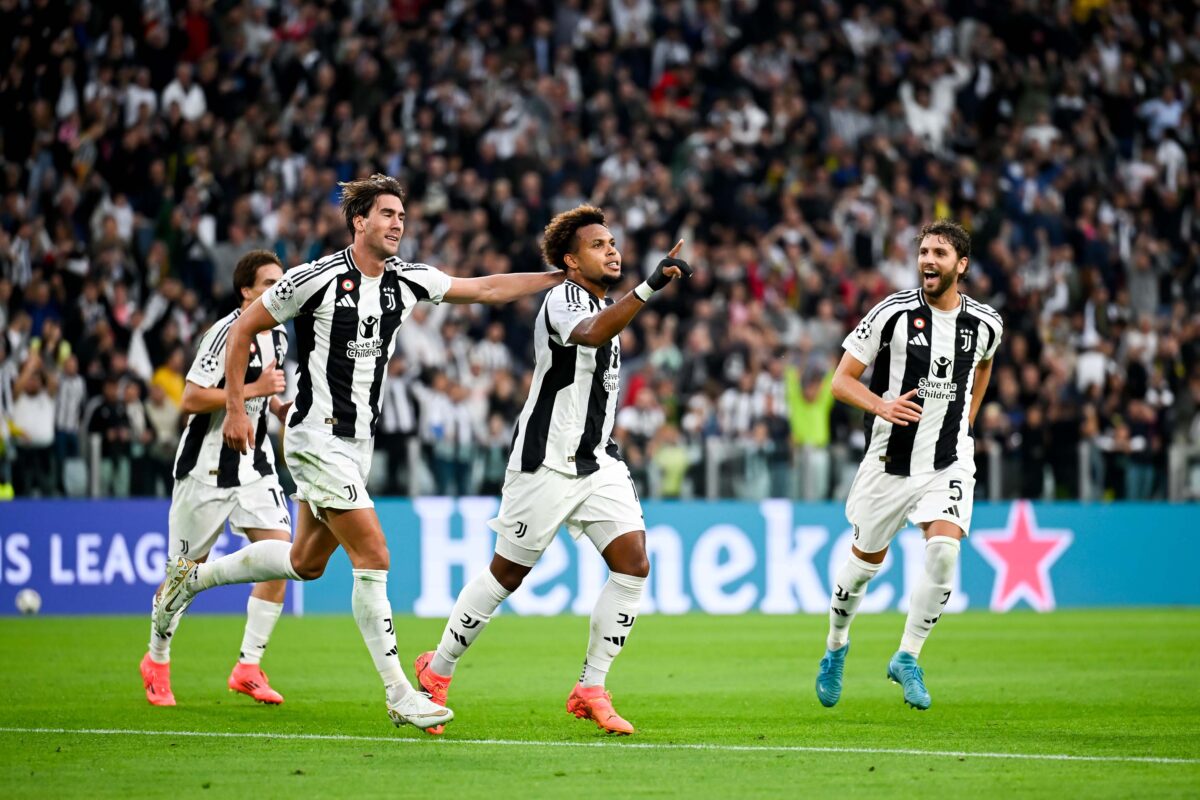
160 646
612 620
268 560
476 604
932 592
848 589
261 616
373 613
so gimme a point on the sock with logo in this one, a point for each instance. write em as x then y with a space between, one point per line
261 616
612 621
472 612
373 613
932 593
267 560
160 646
848 589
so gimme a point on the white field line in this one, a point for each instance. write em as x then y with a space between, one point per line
624 745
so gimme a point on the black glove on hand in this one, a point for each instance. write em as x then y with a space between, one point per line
658 280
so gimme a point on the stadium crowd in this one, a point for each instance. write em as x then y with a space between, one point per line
796 148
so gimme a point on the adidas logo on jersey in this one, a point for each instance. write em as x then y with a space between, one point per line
346 302
919 340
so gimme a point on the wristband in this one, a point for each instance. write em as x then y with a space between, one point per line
643 291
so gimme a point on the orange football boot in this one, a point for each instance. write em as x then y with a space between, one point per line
157 680
594 703
436 686
249 679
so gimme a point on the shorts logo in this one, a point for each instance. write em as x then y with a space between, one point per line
351 492
522 529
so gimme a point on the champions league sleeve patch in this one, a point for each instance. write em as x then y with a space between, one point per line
863 331
209 362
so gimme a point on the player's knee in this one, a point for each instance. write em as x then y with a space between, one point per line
941 557
638 565
308 571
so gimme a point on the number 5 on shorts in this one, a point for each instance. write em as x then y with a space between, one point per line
956 490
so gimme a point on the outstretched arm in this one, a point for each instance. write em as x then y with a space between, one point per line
595 331
849 388
498 289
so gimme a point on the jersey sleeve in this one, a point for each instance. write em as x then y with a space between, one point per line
428 284
566 307
209 365
288 296
864 341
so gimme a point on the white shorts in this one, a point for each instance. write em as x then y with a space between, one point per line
199 510
534 505
330 471
879 504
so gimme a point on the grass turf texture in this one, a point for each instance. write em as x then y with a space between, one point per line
1101 683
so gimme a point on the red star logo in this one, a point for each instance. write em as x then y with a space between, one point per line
1022 555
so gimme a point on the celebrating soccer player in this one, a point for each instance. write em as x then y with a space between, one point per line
932 348
564 468
214 482
347 309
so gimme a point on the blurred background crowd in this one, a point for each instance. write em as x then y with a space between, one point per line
795 147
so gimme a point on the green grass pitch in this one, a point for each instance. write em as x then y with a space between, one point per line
1114 685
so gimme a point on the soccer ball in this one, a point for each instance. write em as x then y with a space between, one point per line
29 601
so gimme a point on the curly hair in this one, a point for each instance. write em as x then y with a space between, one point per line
560 236
952 232
359 196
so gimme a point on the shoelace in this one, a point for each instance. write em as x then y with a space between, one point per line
916 674
834 667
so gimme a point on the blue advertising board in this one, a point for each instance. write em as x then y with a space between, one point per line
773 557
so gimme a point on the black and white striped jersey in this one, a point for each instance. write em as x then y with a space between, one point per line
916 346
568 417
202 452
346 325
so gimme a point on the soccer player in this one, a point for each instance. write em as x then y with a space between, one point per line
932 348
347 309
564 467
215 483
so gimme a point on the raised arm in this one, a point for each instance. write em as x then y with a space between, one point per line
238 431
849 388
498 289
595 331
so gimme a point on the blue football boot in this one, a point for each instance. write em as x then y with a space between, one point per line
829 677
904 670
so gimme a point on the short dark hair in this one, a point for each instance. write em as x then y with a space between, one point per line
951 231
359 196
559 238
246 271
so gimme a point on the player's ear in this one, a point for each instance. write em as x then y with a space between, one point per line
571 262
962 266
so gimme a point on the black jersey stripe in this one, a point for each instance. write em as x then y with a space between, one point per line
966 333
597 408
560 375
389 287
339 366
882 372
261 464
193 441
418 290
218 341
305 326
898 458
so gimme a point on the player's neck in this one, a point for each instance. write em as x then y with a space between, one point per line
598 289
948 301
366 262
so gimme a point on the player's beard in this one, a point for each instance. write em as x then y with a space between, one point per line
945 282
609 281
